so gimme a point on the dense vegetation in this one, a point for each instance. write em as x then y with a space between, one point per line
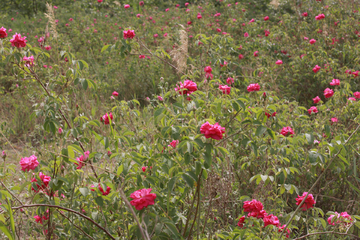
179 120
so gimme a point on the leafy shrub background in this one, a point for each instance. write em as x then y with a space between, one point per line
202 183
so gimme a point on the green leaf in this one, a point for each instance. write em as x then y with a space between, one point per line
189 180
84 63
207 155
271 133
309 138
84 84
120 170
171 184
84 191
12 222
172 228
99 200
241 103
260 130
158 112
106 142
5 231
105 47
353 187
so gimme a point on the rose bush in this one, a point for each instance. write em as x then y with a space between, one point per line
187 157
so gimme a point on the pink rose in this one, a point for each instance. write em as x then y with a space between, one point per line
287 131
309 202
174 143
225 89
281 228
260 214
316 69
241 56
60 130
246 34
208 69
254 87
142 198
316 99
328 93
129 34
279 62
312 110
102 190
3 33
304 14
212 131
18 41
229 80
160 98
253 206
106 117
28 163
357 94
335 82
144 169
126 6
189 85
256 53
115 94
271 220
29 60
266 18
241 221
312 41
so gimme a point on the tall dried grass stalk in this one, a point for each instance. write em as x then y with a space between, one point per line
179 53
50 15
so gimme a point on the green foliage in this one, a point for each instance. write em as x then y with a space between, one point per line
152 138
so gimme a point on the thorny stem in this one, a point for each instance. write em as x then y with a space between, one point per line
66 209
192 205
75 225
321 175
142 231
197 206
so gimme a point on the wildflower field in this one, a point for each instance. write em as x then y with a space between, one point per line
202 119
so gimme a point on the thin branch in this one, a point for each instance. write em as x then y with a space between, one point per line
11 193
329 232
321 175
228 137
192 205
75 225
142 231
66 209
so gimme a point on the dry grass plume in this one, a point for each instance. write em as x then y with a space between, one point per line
179 53
50 15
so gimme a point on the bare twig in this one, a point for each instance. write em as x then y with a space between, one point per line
66 209
75 225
